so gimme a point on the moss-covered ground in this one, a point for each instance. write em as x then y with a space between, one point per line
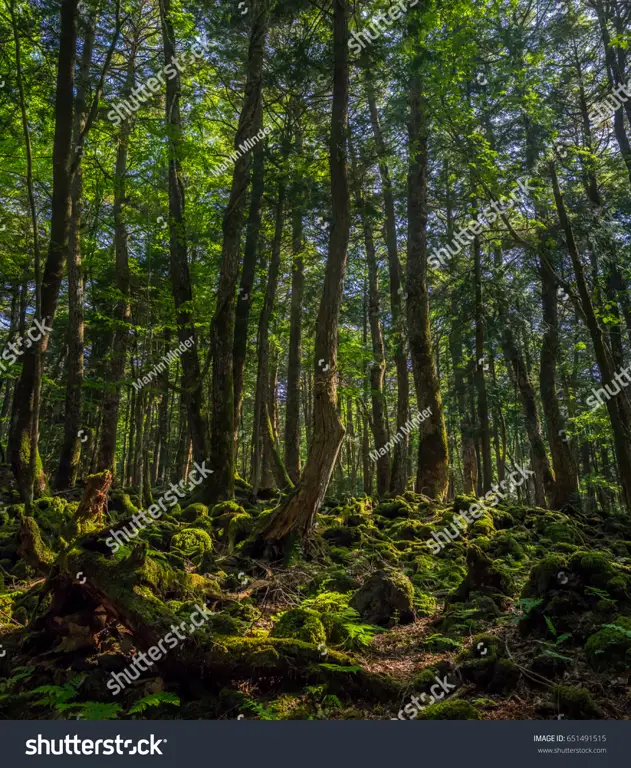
526 614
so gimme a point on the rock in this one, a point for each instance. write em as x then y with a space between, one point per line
575 703
193 512
611 647
301 624
385 599
393 509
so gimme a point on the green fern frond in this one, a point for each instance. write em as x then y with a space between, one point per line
154 700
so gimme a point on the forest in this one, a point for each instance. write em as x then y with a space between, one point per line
315 354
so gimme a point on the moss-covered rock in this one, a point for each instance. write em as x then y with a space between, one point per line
223 624
575 703
341 536
505 544
121 502
226 507
239 528
393 509
301 624
193 512
549 574
192 543
386 598
454 709
611 646
502 519
483 575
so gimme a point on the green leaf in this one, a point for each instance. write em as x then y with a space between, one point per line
154 700
550 625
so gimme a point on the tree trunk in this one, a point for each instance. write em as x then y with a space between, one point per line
112 395
244 299
294 357
617 407
29 383
378 363
565 470
178 247
221 483
432 474
545 480
398 470
260 431
71 447
297 513
480 382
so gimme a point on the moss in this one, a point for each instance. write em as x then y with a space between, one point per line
483 575
483 527
575 703
226 506
200 585
482 664
611 646
407 530
393 509
193 512
121 502
551 667
454 709
340 555
239 527
337 580
32 548
506 545
462 503
596 569
341 536
545 576
300 624
502 519
561 532
192 543
387 597
222 624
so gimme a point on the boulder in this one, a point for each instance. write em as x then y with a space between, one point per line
385 599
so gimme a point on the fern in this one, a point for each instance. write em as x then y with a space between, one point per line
99 710
54 695
260 710
21 673
550 625
528 604
617 627
154 700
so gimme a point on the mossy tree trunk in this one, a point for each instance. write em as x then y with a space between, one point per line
296 515
71 447
432 475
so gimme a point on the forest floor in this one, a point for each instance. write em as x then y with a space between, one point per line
525 615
